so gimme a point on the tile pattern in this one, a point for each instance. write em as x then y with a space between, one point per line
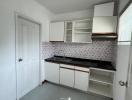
114 55
47 50
99 50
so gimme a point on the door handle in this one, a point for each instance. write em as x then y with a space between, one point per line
122 83
20 59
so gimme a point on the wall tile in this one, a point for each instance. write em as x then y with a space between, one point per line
99 50
47 50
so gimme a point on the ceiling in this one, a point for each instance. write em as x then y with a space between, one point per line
64 6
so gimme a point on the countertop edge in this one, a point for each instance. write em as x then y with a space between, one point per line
59 62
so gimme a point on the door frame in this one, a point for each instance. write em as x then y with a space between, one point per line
17 15
129 68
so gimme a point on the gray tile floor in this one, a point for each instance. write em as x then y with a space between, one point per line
50 91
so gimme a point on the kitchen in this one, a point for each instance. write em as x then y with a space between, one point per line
84 40
71 52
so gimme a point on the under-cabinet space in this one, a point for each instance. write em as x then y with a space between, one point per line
101 82
103 77
101 89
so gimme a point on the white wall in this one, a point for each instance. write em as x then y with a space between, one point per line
74 15
7 39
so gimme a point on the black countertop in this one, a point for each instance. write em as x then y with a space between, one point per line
87 63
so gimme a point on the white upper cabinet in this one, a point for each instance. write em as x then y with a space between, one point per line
104 24
78 31
103 20
56 31
106 9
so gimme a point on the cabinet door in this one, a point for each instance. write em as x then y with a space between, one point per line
52 72
104 24
57 31
67 77
81 79
106 9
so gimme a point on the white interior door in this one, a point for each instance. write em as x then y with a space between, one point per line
123 54
122 71
27 56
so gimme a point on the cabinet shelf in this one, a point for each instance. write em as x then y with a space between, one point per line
78 31
101 79
100 89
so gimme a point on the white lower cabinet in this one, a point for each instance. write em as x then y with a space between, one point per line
52 72
81 80
93 80
67 77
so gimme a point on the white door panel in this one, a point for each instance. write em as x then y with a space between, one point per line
57 31
67 77
27 49
122 65
52 72
81 80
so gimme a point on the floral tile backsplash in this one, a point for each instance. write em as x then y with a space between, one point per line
98 50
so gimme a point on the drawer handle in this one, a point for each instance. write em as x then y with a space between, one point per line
82 71
67 68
